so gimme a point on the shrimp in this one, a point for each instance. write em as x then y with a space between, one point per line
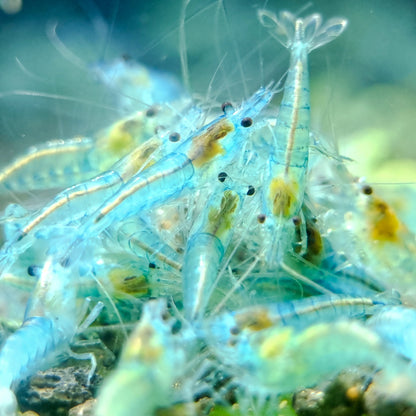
51 321
280 360
204 251
152 357
288 161
215 143
62 163
53 164
297 314
367 234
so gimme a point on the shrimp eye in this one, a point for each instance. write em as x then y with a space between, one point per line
261 218
251 190
33 270
151 112
152 266
222 176
227 107
296 221
247 122
367 190
234 330
174 137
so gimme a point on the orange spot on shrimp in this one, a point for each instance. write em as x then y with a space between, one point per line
205 146
254 320
283 196
384 226
126 282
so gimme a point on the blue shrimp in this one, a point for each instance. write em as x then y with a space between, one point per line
50 323
62 163
72 204
50 165
289 154
367 234
152 361
297 314
280 360
277 348
204 251
93 191
216 142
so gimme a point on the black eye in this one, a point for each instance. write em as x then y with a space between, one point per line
227 107
251 190
261 218
367 190
246 122
33 270
234 330
222 176
296 220
152 266
174 137
151 112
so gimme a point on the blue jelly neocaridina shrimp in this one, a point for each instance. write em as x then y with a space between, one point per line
217 214
83 198
152 361
65 162
205 249
216 143
51 321
367 234
288 160
275 349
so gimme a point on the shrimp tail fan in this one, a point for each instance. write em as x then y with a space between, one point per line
291 31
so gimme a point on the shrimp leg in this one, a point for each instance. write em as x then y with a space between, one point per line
51 321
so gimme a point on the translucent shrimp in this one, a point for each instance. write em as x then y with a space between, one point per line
368 235
204 251
82 198
50 165
51 321
215 144
280 360
298 314
74 203
289 154
62 163
152 361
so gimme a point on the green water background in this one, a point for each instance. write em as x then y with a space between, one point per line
363 84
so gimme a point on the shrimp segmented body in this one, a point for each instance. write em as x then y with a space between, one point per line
50 323
152 357
63 163
288 162
217 142
204 252
49 165
279 360
208 236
